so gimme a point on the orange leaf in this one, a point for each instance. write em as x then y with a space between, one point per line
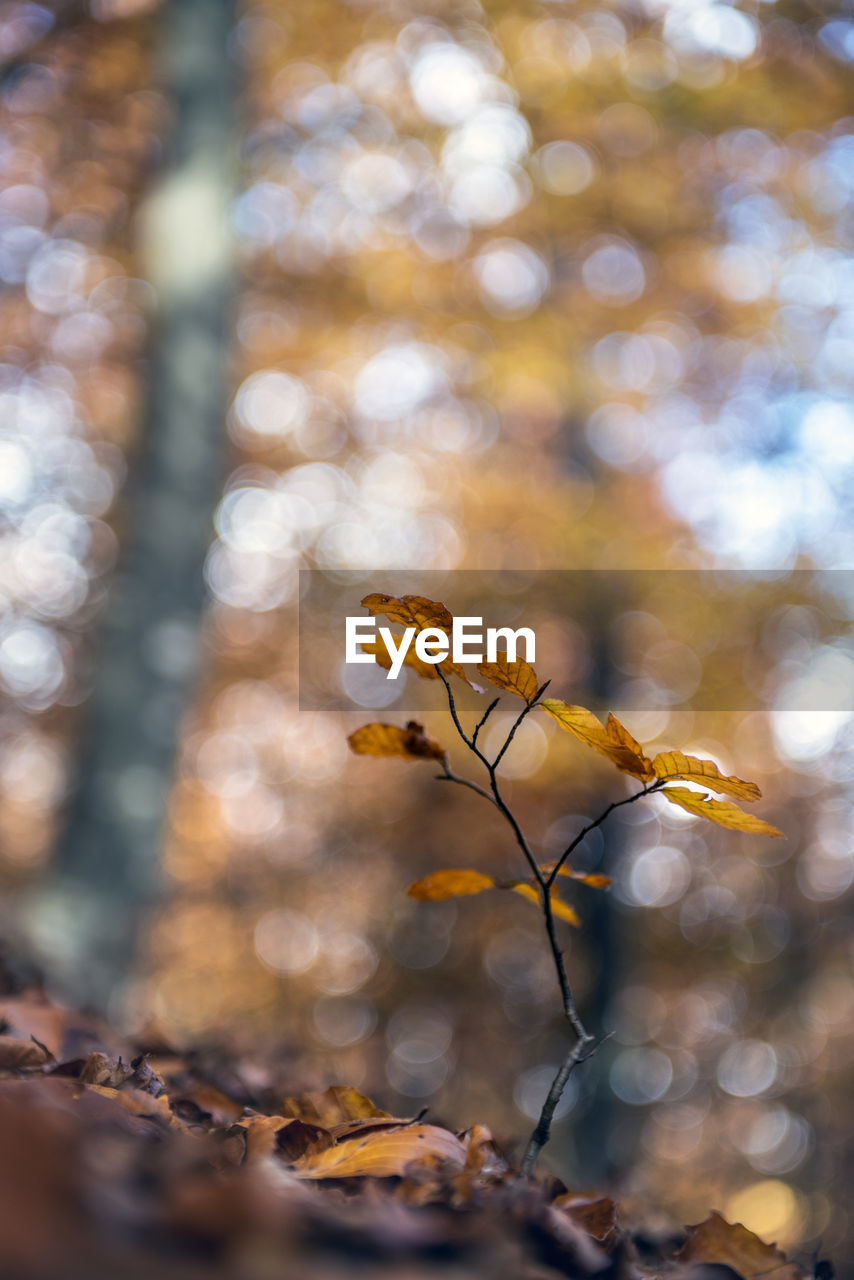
333 1106
559 908
673 765
449 884
619 735
615 742
410 743
427 670
517 677
723 812
385 1154
732 1245
421 613
410 611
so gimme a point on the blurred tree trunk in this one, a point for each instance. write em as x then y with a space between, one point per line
85 918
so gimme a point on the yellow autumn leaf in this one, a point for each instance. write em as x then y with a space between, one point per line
559 908
410 611
673 765
388 1153
376 648
613 742
449 884
723 812
427 670
410 743
517 677
635 762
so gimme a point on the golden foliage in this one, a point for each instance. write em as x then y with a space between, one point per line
723 812
612 741
386 1154
673 765
410 611
517 677
449 884
410 743
559 908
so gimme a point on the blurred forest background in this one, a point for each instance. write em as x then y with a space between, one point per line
436 285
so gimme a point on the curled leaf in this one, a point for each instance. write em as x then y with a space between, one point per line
674 765
410 743
449 884
723 812
561 909
614 741
517 677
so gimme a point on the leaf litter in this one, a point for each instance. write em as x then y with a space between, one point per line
115 1160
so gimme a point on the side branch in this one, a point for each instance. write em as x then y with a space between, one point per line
597 822
450 776
529 707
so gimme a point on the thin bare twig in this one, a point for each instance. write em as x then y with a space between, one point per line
483 719
450 776
529 707
597 822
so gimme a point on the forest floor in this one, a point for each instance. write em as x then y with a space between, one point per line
134 1160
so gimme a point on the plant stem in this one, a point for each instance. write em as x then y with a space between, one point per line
579 1050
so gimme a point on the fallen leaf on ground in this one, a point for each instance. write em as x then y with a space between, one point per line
339 1104
730 1244
390 1153
594 1212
